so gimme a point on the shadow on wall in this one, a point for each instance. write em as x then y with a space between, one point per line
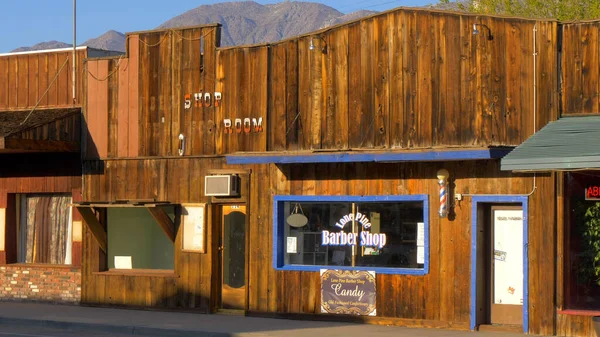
40 165
92 165
481 169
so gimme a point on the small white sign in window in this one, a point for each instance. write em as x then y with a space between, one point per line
292 245
123 262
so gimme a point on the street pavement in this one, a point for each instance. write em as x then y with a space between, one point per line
42 320
36 331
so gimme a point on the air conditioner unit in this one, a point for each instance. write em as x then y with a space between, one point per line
226 185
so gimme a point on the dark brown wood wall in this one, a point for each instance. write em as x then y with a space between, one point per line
580 71
63 129
440 298
176 180
401 79
25 78
135 104
243 80
413 79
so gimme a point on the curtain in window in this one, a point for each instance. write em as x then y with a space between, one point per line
47 227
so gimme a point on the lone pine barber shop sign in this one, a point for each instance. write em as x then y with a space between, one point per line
348 292
342 238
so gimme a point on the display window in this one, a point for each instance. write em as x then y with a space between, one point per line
582 241
385 234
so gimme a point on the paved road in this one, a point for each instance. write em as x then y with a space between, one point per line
21 331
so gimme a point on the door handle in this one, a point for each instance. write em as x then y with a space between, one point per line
221 248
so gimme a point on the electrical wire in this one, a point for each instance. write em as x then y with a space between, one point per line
109 75
44 94
350 5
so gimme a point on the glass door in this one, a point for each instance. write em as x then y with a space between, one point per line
232 250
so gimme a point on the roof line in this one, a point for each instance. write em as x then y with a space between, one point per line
44 51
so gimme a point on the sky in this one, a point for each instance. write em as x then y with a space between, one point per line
27 22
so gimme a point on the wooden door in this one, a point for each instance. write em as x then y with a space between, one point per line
232 256
506 265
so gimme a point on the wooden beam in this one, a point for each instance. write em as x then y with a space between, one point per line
31 145
95 226
164 221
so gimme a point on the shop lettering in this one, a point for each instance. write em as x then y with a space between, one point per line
248 125
367 239
592 193
358 217
337 288
504 218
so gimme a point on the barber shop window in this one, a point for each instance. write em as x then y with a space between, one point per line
44 227
582 241
136 240
386 234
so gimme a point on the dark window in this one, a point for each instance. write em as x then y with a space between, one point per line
582 241
389 234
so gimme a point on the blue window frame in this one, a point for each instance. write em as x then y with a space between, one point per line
378 233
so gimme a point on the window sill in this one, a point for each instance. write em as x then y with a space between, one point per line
378 270
139 272
577 312
42 266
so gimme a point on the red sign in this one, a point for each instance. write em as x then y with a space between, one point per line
592 192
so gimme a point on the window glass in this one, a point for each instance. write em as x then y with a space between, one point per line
582 241
136 241
373 234
45 229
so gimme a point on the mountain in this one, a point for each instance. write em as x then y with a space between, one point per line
43 45
111 40
245 22
249 22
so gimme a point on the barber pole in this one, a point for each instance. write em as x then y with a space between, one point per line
442 176
443 207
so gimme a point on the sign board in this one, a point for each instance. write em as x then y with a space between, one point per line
592 192
348 292
193 221
508 257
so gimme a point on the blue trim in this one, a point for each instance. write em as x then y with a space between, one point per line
278 240
349 157
524 201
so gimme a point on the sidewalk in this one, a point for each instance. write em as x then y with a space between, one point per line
158 323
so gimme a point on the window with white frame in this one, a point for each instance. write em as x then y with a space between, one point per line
44 226
387 234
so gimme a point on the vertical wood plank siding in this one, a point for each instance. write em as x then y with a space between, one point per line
580 70
24 78
442 296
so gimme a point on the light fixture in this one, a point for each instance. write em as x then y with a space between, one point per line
312 45
297 217
476 31
442 176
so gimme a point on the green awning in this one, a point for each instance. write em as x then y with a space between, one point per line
570 143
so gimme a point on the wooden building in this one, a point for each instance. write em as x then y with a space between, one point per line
360 117
40 128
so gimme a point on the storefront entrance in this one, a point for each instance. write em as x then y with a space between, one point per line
499 263
505 258
232 257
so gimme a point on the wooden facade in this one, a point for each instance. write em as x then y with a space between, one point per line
40 136
30 75
404 80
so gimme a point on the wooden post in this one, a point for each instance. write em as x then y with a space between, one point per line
94 225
